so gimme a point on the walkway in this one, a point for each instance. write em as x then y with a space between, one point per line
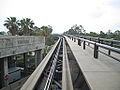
102 73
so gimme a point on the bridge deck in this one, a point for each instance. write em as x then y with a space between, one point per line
102 73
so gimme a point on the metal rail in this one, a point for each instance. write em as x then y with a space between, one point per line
52 69
96 47
97 38
66 75
32 80
52 62
109 42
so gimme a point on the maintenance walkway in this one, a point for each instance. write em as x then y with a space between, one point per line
100 74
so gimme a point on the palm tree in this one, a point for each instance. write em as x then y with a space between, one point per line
12 24
46 30
27 25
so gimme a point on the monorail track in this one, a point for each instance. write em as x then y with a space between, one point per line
54 72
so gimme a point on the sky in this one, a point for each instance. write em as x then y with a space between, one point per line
93 15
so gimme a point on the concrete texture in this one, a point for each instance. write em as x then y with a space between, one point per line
102 73
12 45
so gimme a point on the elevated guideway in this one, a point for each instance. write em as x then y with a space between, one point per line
77 64
53 73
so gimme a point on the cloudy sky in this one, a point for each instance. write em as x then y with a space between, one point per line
94 15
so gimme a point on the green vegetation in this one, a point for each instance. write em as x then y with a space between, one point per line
26 27
2 33
12 24
76 30
79 30
19 27
109 35
50 41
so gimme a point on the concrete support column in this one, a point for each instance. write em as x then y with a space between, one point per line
38 57
5 67
25 63
12 61
1 73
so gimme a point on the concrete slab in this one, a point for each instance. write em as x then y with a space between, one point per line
104 80
102 73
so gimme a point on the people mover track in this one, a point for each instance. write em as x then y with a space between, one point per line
55 72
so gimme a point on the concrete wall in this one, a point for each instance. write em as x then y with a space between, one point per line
12 45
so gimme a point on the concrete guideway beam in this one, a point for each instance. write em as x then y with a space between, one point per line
12 45
32 80
66 75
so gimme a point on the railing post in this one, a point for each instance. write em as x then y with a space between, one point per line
95 51
74 39
79 42
83 44
98 40
101 41
109 51
25 63
90 39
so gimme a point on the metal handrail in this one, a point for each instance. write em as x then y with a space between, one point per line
112 42
104 39
117 50
96 47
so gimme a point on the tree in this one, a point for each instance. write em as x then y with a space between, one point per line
117 32
94 34
2 33
12 24
26 25
117 35
46 30
76 30
109 32
36 31
102 34
79 29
